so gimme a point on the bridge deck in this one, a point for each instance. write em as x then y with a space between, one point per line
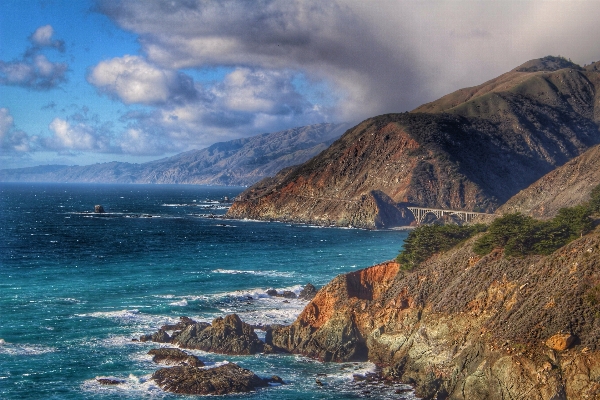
421 212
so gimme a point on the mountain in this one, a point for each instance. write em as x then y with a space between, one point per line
470 150
565 186
238 162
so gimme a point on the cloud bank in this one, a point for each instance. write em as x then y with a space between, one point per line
210 71
34 70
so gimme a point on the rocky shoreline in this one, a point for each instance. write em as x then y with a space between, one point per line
460 326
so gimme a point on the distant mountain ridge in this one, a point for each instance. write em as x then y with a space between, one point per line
239 162
470 150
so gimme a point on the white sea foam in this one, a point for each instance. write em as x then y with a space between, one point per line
132 317
254 306
14 349
119 314
252 272
182 303
132 383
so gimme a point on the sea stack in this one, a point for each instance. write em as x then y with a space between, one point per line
98 209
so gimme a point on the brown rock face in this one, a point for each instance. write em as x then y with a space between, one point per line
228 378
472 150
465 327
566 186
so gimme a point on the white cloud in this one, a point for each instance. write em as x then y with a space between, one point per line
12 140
42 37
384 56
78 137
133 80
34 70
6 122
136 141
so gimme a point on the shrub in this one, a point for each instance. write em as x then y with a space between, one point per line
519 235
427 240
594 203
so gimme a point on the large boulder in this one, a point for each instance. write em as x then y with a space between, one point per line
308 292
228 378
171 356
229 335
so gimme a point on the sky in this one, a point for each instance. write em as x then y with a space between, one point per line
86 81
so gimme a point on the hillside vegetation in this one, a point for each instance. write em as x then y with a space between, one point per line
515 234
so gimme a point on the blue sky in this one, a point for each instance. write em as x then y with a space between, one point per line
99 80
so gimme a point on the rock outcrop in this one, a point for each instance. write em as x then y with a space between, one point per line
229 335
466 327
308 292
171 356
225 379
471 150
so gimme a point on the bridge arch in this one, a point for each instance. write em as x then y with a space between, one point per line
421 212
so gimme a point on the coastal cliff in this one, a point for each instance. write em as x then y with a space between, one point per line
466 327
471 150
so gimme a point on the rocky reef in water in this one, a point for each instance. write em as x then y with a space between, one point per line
226 335
466 327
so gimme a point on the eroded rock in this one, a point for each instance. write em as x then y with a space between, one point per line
171 356
308 292
229 335
225 379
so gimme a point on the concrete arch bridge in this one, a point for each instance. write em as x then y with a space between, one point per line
421 212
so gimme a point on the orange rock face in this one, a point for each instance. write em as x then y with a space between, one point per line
560 341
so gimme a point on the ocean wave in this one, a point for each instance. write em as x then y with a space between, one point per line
132 317
253 272
14 349
119 314
181 303
132 383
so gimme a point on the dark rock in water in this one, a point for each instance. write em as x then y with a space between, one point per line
287 294
161 337
276 379
228 378
227 335
109 381
146 338
308 293
171 356
98 209
318 382
183 323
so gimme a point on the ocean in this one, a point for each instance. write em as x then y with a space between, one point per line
76 287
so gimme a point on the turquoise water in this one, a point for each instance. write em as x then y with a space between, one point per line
76 287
